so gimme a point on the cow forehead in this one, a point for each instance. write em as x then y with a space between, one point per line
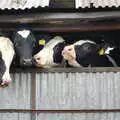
53 42
24 33
80 42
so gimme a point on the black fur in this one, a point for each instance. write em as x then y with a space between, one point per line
87 54
57 56
41 36
2 67
23 47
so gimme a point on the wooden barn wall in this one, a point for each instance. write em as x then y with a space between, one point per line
96 95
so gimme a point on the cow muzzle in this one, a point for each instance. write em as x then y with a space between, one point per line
26 62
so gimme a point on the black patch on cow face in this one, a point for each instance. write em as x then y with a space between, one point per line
24 47
57 56
85 51
41 36
2 67
87 54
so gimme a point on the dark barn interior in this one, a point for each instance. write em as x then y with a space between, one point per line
99 26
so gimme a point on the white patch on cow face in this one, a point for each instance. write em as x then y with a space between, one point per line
7 51
69 52
45 56
107 51
80 42
24 33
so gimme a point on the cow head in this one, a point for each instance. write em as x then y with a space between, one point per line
77 53
50 54
6 56
24 42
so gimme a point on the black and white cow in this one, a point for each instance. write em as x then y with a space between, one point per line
50 54
84 53
24 42
6 56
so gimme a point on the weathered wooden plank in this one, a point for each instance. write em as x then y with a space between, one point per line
66 70
47 16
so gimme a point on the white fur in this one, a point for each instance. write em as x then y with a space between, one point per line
46 54
71 55
80 42
24 33
7 51
107 51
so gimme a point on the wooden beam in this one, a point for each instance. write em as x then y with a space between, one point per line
67 70
48 16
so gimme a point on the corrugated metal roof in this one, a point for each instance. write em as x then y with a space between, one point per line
22 4
97 3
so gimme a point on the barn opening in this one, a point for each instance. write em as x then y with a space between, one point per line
63 93
96 26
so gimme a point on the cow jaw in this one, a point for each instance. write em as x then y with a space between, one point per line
74 63
44 58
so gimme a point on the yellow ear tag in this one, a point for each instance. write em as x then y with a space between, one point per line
101 51
41 42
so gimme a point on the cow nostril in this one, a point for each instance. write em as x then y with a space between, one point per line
26 62
38 59
69 49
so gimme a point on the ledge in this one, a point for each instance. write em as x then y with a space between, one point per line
66 70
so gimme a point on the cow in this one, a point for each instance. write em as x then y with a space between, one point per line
24 42
7 53
86 53
50 55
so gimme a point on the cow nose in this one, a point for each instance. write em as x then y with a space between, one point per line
37 59
26 62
